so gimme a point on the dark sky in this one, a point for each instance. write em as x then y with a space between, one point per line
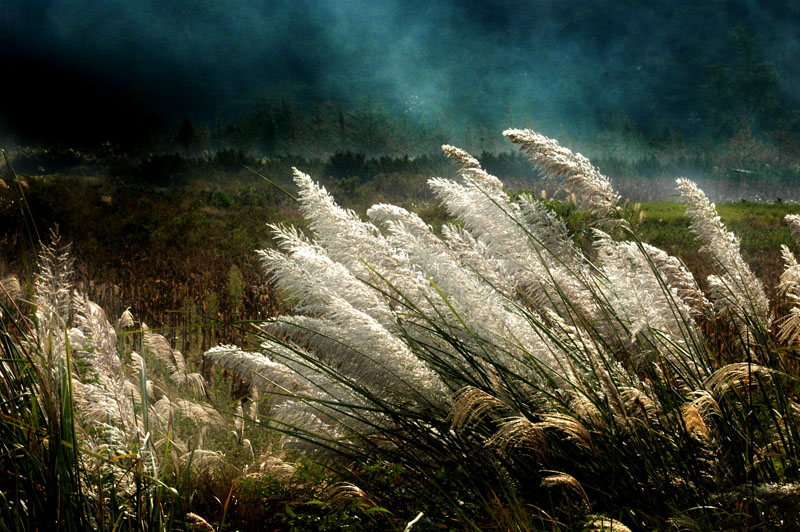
72 66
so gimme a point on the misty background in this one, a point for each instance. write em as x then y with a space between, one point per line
135 72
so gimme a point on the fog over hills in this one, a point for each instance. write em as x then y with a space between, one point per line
73 68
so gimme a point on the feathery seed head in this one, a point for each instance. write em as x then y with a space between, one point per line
586 411
736 290
737 375
789 330
592 189
694 423
556 478
10 288
789 286
678 276
793 221
198 523
571 427
639 404
346 238
483 180
265 373
126 319
276 468
342 494
77 341
518 432
386 213
460 156
471 404
601 523
790 278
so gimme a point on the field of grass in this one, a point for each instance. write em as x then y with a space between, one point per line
159 249
508 367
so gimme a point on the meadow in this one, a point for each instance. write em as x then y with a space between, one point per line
468 357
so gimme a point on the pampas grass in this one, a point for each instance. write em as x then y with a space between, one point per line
503 352
89 440
511 377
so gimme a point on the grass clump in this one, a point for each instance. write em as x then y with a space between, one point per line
79 449
523 365
524 381
98 436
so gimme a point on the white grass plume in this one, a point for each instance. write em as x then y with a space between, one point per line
471 405
174 362
265 373
126 319
644 304
602 523
347 239
10 288
53 287
736 290
304 387
789 286
473 255
555 478
678 277
308 276
736 376
518 432
464 159
471 170
592 189
793 221
498 224
550 231
479 306
382 361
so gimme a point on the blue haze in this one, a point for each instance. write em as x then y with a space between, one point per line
547 63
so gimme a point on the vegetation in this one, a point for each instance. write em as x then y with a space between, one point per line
502 362
163 244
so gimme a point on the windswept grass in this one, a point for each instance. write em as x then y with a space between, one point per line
524 365
527 381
